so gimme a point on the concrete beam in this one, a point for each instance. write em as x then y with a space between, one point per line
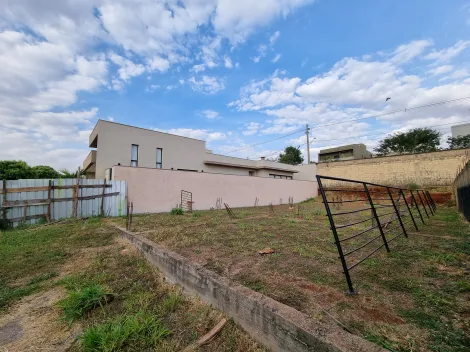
274 325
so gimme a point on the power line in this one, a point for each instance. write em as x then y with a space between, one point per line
369 135
274 139
353 120
394 112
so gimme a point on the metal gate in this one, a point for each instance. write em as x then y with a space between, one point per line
380 215
187 201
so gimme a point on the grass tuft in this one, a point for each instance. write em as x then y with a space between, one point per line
81 301
177 211
137 332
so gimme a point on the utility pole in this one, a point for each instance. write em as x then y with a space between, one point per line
308 142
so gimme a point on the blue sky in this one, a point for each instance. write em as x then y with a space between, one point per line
233 73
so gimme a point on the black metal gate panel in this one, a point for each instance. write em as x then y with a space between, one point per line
367 217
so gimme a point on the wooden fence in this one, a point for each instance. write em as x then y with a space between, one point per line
29 201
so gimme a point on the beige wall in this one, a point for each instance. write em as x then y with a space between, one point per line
114 143
154 190
114 146
425 169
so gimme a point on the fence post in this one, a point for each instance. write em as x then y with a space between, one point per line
337 242
431 201
409 209
376 217
417 206
102 197
427 202
49 200
4 210
397 211
422 202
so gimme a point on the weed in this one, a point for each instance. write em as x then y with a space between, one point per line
196 215
170 303
81 301
318 212
9 294
177 211
308 200
42 277
412 185
137 332
255 285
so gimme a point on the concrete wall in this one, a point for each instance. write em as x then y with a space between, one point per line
115 140
114 143
460 130
276 326
426 169
154 190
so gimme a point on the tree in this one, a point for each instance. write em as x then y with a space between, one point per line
14 170
43 171
417 140
459 142
292 156
64 173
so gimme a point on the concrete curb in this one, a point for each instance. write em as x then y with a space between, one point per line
273 324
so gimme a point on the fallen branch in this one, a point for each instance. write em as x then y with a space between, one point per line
207 337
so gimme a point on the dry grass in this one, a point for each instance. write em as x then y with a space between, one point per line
87 254
415 298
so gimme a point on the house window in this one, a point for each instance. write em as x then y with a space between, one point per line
159 158
134 155
251 173
108 174
280 176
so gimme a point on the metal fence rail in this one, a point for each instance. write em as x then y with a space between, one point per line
367 217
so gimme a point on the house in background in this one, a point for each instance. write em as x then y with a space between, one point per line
118 144
345 152
460 130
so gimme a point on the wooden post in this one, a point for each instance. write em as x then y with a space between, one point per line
25 210
130 219
102 197
49 190
75 201
4 200
127 218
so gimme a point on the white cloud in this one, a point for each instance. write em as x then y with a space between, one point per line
110 118
276 58
237 19
407 52
252 128
203 134
352 89
210 114
273 39
445 55
127 68
51 52
441 70
207 84
228 62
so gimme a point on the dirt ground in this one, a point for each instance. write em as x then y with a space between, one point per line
415 298
37 277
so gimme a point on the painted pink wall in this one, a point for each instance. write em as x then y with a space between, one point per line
154 190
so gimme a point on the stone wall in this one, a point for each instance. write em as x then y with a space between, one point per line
430 170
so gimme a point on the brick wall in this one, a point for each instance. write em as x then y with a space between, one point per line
431 170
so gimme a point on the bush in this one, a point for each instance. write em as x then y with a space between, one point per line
138 332
82 300
176 211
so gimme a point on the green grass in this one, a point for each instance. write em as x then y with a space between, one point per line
80 301
131 332
177 211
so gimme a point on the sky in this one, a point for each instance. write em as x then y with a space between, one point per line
246 76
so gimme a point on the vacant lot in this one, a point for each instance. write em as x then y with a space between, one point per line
76 286
416 298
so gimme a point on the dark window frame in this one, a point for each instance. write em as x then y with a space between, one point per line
161 159
136 160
